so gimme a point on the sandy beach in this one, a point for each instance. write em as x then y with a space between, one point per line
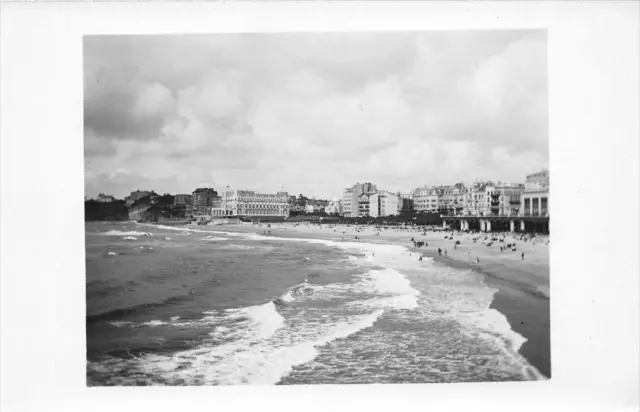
522 284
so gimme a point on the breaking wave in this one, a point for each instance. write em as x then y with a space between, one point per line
127 233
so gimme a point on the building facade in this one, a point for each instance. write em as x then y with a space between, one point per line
475 199
202 200
334 207
427 199
182 200
247 203
351 198
383 203
503 199
364 204
451 199
535 196
405 203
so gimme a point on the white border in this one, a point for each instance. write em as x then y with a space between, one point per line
593 66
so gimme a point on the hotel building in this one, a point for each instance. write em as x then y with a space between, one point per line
247 203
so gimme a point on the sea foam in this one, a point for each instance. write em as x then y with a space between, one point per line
258 354
127 233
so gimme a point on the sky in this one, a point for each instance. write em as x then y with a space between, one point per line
313 113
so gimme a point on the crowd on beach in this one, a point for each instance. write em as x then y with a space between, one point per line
505 242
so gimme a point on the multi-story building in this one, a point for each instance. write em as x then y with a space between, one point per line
535 196
405 202
363 204
351 198
451 198
247 203
503 199
474 199
383 203
202 200
426 199
182 200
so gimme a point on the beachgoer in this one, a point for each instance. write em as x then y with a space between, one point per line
420 259
522 255
478 260
445 252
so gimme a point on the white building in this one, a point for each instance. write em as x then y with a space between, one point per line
535 197
249 203
334 207
351 198
383 203
426 199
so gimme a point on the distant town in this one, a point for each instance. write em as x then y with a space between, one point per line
481 205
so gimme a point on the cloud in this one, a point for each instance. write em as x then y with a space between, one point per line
315 112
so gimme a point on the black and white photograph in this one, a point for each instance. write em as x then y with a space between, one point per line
317 208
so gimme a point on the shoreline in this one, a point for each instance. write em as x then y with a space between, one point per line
521 287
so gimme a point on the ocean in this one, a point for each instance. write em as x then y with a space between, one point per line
203 306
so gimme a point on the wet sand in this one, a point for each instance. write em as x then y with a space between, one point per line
523 285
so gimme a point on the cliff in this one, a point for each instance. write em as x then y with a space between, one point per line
116 210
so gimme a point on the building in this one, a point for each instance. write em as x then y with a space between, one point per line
383 203
202 200
451 199
351 198
182 200
535 196
334 207
506 206
475 198
364 204
503 199
405 203
102 198
247 203
426 199
139 194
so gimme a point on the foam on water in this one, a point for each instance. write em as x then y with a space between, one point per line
129 238
257 345
214 238
127 233
468 302
255 354
263 320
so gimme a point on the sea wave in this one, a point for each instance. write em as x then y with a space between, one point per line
261 359
126 233
119 313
